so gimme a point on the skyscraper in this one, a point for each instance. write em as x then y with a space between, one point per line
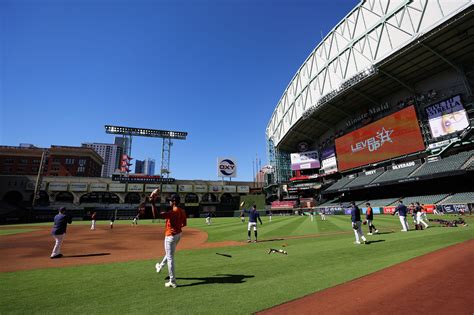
111 155
139 169
149 166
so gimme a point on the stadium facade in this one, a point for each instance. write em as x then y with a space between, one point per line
385 93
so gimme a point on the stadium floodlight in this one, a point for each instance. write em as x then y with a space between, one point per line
143 132
166 135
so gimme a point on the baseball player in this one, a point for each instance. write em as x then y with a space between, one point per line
270 215
253 216
61 220
419 215
208 218
323 215
402 211
311 214
369 216
93 216
112 220
357 224
175 221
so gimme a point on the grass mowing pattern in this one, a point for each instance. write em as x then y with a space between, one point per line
14 231
211 284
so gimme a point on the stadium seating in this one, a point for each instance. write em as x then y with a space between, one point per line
394 175
428 199
341 183
363 180
465 197
448 164
381 202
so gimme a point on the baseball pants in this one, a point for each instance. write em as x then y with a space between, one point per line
358 232
403 221
57 246
170 247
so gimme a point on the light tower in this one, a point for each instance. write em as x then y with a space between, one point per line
166 135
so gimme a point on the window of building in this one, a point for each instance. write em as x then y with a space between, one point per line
69 161
82 162
81 169
23 161
8 161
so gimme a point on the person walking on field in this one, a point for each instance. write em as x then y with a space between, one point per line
357 224
93 217
253 216
369 216
402 211
175 221
61 220
419 216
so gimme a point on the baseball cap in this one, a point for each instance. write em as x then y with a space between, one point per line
62 209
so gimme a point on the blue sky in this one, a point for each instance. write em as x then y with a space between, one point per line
215 69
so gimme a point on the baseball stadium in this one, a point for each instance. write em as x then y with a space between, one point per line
379 116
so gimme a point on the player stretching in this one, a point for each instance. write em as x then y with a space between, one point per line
175 221
253 216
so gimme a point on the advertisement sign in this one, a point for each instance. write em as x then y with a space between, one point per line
447 116
215 188
389 210
403 165
141 179
230 189
328 160
78 187
116 187
456 208
98 187
243 189
392 136
135 187
57 186
200 188
151 187
304 160
168 188
226 167
31 186
185 188
376 210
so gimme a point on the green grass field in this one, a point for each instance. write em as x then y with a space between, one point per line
320 255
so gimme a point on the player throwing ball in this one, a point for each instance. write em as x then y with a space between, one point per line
175 221
253 216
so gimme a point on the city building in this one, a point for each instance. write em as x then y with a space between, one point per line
110 153
149 166
59 161
139 167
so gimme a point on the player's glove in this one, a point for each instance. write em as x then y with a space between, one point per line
365 222
354 226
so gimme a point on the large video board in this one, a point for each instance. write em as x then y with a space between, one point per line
395 135
447 116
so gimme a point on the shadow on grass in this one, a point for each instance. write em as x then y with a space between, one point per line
376 241
271 240
86 255
224 278
382 233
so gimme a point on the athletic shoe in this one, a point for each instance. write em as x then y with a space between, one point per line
357 242
376 231
403 230
56 256
171 284
369 234
255 241
158 267
248 241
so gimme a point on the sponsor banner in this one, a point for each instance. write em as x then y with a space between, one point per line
442 143
389 210
141 179
31 186
98 187
168 188
116 187
376 210
243 189
447 116
395 135
455 208
135 187
215 188
151 187
304 160
328 153
429 208
200 188
230 189
57 186
403 165
78 187
185 188
226 167
372 172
